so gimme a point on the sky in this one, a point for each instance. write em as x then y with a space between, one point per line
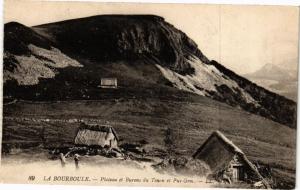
243 38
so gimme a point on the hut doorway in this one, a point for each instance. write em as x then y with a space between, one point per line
237 173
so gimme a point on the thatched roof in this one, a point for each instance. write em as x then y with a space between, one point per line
232 148
97 127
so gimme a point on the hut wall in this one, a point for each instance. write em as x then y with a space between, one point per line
109 82
114 143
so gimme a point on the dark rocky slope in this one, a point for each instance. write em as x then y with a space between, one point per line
150 58
273 106
118 37
17 38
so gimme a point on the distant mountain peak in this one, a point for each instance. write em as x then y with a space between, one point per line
276 78
269 66
271 72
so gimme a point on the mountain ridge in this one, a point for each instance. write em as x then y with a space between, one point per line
131 48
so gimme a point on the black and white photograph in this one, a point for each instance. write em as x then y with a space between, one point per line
149 95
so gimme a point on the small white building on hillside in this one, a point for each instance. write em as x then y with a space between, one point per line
108 83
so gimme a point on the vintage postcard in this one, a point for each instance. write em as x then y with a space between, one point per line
133 94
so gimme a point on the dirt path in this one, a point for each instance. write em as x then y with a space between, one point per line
93 170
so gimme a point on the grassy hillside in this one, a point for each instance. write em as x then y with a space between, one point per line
191 123
66 60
